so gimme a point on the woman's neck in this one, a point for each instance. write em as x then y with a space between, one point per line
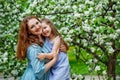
39 36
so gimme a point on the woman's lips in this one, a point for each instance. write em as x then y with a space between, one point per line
37 30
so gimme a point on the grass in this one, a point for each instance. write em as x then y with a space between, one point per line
79 67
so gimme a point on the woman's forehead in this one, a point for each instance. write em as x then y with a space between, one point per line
32 21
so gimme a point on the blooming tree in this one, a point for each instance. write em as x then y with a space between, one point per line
90 26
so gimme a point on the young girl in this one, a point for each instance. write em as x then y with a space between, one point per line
61 69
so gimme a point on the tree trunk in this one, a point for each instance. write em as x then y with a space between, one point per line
111 67
77 53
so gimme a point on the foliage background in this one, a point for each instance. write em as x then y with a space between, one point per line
83 24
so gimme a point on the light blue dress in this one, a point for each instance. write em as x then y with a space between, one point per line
61 70
36 68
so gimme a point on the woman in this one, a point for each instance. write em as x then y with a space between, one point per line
30 43
61 69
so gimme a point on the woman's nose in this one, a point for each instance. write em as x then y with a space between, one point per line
37 26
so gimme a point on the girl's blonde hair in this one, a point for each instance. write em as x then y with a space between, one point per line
54 31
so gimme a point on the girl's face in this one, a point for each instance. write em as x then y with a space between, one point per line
34 26
46 30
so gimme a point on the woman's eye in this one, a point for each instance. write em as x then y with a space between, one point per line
32 27
37 22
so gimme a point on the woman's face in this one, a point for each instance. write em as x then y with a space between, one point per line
34 26
46 30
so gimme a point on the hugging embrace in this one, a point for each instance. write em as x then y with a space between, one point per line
45 49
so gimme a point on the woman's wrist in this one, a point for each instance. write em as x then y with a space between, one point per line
44 56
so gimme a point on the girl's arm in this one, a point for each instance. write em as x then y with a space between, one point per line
52 62
55 49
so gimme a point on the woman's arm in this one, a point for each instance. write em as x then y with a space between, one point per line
39 66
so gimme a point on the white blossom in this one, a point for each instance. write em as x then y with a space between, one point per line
92 49
5 59
86 13
84 42
104 72
8 7
90 9
108 43
0 60
67 6
89 2
14 72
86 28
74 7
86 21
33 4
90 60
68 39
15 48
118 31
76 15
98 13
28 11
101 41
0 5
110 50
98 7
16 10
71 31
5 54
62 1
113 36
95 60
82 6
80 77
78 40
97 68
110 18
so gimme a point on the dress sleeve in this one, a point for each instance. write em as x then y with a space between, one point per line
37 65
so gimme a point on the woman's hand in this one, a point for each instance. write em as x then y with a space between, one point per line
41 56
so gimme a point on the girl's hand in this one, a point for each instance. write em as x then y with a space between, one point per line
63 48
41 56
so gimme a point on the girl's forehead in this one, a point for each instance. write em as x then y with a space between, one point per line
43 23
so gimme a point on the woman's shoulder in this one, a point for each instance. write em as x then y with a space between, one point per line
34 46
32 50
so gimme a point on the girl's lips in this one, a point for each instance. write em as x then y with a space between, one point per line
45 34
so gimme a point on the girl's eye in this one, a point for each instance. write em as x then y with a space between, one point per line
45 27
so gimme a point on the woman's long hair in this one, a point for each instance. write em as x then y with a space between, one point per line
25 38
54 31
